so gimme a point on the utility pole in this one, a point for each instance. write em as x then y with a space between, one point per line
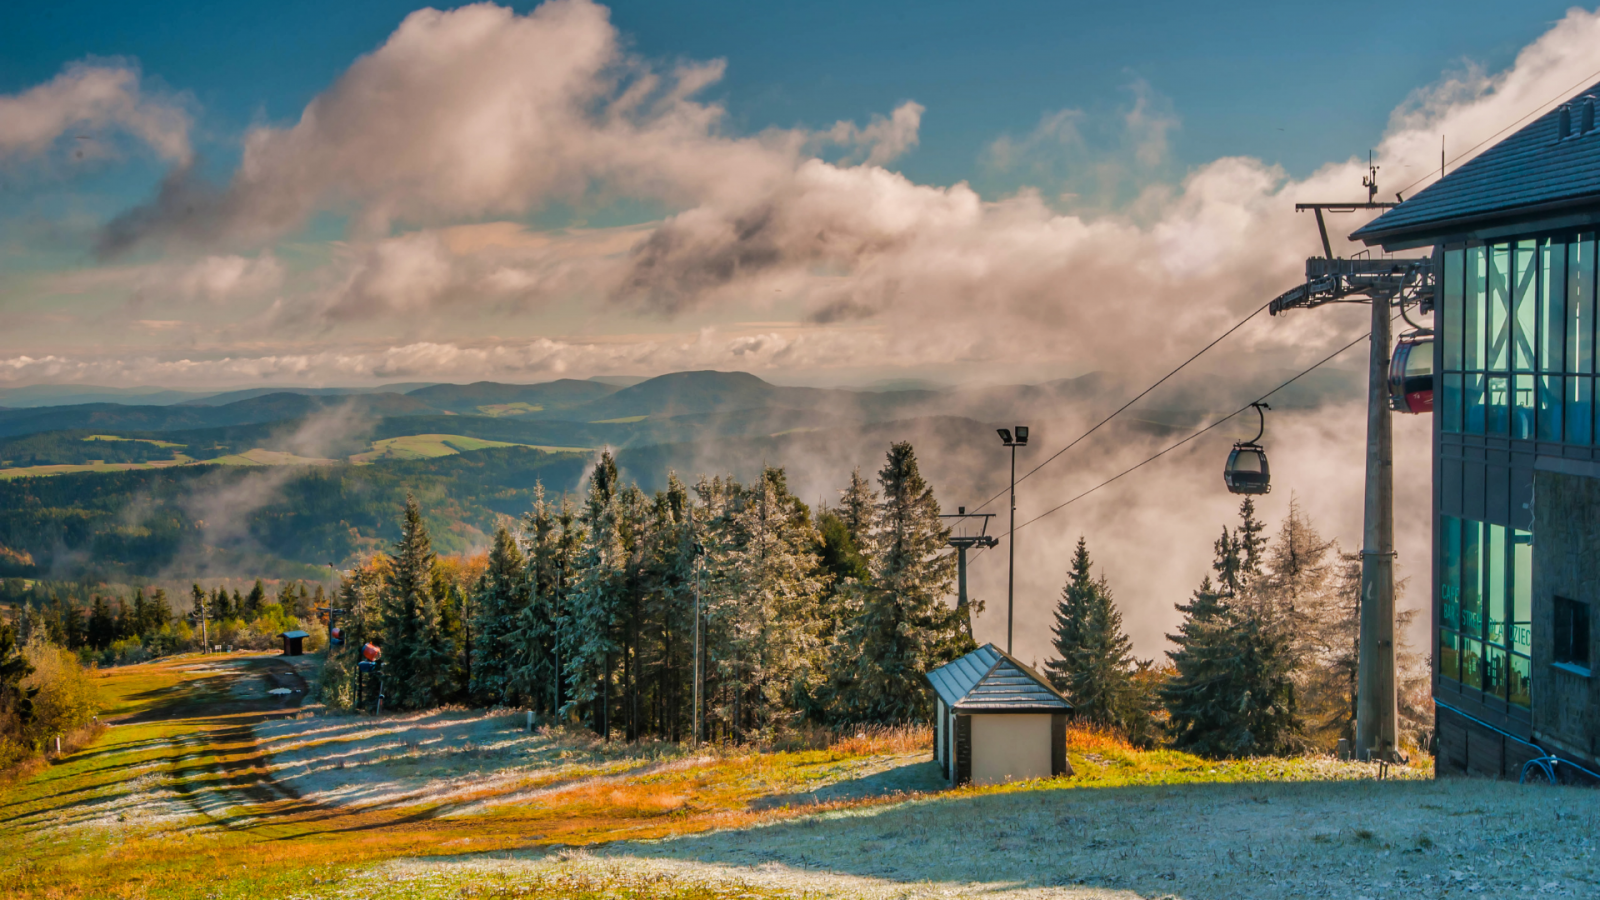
1020 440
1385 283
698 551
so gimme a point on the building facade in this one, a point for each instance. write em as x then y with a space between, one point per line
1516 441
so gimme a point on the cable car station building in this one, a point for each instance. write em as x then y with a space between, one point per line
1516 443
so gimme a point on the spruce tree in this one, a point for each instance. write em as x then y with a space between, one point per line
1094 659
102 624
415 666
594 605
904 627
252 604
498 601
1233 693
16 701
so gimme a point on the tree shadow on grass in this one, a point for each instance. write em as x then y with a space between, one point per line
1223 841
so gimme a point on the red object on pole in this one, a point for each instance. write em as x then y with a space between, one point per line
370 652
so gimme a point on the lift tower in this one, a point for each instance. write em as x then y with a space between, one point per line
964 542
1383 283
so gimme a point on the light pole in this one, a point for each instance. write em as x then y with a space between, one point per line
1020 440
699 551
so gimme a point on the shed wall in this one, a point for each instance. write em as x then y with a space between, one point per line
1012 746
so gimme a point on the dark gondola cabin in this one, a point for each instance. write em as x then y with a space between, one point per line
1247 471
1411 374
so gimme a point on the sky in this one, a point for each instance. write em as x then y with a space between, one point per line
210 195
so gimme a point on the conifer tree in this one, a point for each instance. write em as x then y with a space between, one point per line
594 606
16 701
252 604
904 627
551 536
1094 661
499 599
415 662
1234 693
857 509
102 624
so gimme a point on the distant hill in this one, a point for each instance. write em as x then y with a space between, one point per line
548 396
116 418
251 393
74 394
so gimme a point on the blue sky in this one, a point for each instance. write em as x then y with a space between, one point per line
1291 84
484 196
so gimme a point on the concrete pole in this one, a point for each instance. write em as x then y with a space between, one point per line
1011 548
1377 727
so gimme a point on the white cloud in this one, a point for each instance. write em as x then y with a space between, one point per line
95 100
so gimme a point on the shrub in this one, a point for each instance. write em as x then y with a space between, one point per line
68 698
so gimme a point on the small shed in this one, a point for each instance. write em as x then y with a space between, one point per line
997 720
293 641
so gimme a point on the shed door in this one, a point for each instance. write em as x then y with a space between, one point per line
1010 747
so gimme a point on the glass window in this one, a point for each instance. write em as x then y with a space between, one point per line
1522 406
1497 326
1451 318
1471 663
1549 408
1471 579
1521 687
1497 411
1492 571
1521 591
1449 404
1472 398
1524 307
1450 572
1472 311
1580 408
1449 654
1552 306
1495 675
1580 305
1571 632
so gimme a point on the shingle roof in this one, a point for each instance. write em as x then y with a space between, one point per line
988 680
1534 168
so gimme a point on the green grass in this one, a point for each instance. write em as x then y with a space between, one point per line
112 437
496 410
179 801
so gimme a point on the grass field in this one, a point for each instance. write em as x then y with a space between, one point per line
206 786
427 446
497 410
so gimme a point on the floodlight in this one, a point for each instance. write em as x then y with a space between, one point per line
1005 434
1022 434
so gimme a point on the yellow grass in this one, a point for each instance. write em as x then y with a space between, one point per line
193 794
624 420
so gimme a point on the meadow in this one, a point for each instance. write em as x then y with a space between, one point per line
205 785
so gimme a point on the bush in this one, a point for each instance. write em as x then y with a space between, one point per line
68 698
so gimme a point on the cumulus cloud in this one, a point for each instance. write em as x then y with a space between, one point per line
476 112
481 112
90 101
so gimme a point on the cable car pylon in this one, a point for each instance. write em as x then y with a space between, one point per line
1384 284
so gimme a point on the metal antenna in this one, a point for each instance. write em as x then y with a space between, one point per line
1371 181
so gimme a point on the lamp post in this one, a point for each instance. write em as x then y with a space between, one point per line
1019 440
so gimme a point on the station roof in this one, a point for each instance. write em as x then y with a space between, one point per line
990 680
1536 174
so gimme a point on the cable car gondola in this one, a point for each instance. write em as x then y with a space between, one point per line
1247 471
1411 373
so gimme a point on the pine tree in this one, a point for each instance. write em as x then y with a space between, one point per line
857 507
253 603
551 536
1233 693
594 606
415 664
102 625
202 616
498 601
904 627
16 701
1094 664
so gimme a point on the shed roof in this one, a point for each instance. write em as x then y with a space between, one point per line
990 680
1534 172
294 634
